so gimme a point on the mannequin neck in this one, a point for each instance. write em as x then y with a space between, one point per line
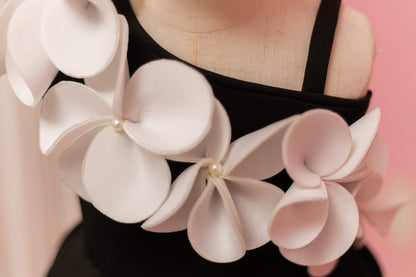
198 16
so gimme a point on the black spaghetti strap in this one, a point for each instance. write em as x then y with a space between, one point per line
321 46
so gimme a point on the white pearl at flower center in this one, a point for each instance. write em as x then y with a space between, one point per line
117 124
215 169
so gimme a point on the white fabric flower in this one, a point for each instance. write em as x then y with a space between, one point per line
220 199
78 38
378 212
317 220
365 186
113 154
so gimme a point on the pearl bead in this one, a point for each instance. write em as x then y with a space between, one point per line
117 124
215 169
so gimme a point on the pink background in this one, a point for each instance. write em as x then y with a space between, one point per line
394 86
43 210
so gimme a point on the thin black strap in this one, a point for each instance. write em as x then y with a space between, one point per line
321 46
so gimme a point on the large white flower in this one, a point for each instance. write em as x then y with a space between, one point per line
112 154
77 37
365 186
317 220
220 199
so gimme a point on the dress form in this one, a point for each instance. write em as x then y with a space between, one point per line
127 250
263 42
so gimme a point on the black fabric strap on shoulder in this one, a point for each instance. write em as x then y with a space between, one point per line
321 46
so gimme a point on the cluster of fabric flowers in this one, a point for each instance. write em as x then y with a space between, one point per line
111 138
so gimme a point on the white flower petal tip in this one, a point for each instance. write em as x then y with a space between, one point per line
29 70
124 181
338 234
80 37
110 83
322 270
310 144
214 230
68 111
254 201
7 9
258 155
158 102
363 132
299 217
173 215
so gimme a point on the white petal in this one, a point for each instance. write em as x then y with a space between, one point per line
29 69
113 80
363 132
80 36
7 9
214 229
255 201
124 181
216 143
336 237
174 213
168 106
299 217
258 155
68 110
369 187
70 163
315 145
377 158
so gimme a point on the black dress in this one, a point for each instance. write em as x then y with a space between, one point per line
100 246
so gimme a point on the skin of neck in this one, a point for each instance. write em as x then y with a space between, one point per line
198 16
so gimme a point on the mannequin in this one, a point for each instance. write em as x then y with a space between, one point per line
263 42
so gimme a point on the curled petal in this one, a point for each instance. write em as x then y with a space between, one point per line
173 215
355 176
365 188
68 110
369 187
7 9
258 155
363 132
168 106
70 163
377 158
255 201
299 217
336 237
124 181
80 36
315 145
29 69
111 83
214 229
216 143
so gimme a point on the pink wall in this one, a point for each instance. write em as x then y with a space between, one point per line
394 86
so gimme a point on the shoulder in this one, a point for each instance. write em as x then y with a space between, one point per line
353 55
